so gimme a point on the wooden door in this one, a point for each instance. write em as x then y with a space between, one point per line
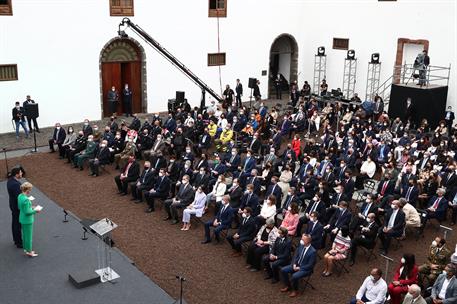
131 74
111 76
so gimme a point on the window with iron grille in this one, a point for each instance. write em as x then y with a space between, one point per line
340 44
217 8
216 59
6 8
8 72
121 7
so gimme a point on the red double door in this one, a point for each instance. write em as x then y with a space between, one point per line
117 74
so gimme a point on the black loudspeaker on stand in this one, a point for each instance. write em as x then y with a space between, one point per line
32 112
252 82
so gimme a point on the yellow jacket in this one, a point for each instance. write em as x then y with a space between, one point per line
212 129
226 136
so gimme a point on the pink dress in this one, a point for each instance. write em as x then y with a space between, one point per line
290 222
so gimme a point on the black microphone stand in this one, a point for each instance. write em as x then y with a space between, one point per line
181 282
34 139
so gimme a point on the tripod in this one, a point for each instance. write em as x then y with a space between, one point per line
34 139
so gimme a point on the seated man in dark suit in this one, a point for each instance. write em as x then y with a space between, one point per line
184 198
160 190
369 206
250 199
437 207
144 183
444 291
366 237
129 174
58 138
302 265
340 218
278 256
315 230
200 179
315 205
386 187
232 160
235 192
410 192
102 157
222 221
255 180
275 190
245 232
394 225
290 198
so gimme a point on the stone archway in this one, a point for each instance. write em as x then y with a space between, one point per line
283 60
123 60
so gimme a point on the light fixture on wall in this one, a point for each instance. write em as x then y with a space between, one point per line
375 58
321 51
122 34
351 55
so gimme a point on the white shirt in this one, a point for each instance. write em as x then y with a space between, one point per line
369 168
375 292
391 222
442 294
268 211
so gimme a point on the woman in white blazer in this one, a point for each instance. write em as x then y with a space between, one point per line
197 207
218 192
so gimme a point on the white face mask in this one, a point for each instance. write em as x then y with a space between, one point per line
102 145
337 191
402 260
289 208
244 215
302 242
160 174
58 128
394 207
188 151
184 181
315 199
90 139
434 244
369 220
233 153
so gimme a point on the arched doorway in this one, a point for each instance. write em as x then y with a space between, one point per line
283 60
123 60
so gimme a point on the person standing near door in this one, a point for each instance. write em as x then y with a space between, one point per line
29 120
127 94
113 98
239 93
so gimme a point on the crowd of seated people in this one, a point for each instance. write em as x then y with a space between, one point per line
291 184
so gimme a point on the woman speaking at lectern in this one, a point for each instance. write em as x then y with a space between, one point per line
27 217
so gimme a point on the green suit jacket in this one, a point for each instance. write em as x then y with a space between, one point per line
26 213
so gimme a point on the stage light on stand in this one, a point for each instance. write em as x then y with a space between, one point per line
375 58
350 55
321 51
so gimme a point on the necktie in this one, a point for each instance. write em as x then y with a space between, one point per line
384 187
435 205
244 221
157 163
408 193
367 207
314 207
232 158
303 255
246 163
312 228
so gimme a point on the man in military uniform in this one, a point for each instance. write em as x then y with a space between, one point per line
436 261
121 159
87 153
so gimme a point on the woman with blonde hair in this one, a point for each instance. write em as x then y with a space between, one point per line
26 218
